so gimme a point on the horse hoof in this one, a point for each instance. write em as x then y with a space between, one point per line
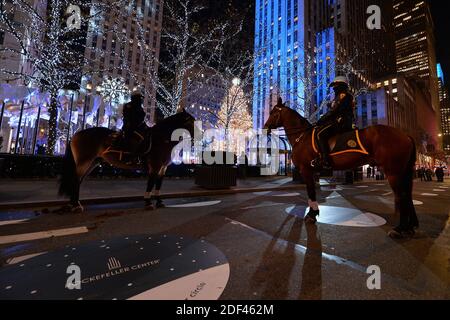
310 220
401 234
77 209
149 207
160 205
394 234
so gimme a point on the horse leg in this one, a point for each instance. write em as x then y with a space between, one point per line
403 204
82 172
152 177
158 184
156 193
313 213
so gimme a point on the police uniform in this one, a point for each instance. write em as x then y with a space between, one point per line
339 119
133 117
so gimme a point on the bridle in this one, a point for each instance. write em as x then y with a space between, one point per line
291 130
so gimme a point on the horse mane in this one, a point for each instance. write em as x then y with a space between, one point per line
168 122
302 120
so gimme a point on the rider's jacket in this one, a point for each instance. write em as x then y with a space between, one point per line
133 116
341 112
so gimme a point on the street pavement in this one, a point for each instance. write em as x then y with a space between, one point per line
16 193
270 252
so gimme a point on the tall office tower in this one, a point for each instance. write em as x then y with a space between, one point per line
114 47
415 44
301 45
444 101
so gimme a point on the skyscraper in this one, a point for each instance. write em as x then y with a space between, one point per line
415 44
114 47
444 101
301 45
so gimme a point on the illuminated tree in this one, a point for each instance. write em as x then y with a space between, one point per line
234 116
50 48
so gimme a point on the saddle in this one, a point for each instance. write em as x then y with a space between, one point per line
139 144
347 142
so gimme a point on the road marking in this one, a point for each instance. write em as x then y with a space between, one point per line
264 204
439 190
387 194
196 204
42 235
9 222
429 194
294 194
24 258
336 259
182 288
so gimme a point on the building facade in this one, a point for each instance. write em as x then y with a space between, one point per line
415 45
301 45
112 66
117 44
444 101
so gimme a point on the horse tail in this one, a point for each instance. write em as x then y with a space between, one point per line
410 168
68 178
413 158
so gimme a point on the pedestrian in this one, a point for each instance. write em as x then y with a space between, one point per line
429 175
440 174
369 172
421 173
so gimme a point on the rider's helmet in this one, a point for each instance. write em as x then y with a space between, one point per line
340 81
137 96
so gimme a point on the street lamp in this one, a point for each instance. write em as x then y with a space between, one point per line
236 81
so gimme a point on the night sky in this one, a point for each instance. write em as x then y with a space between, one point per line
441 10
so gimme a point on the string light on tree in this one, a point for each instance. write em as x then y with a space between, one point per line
113 90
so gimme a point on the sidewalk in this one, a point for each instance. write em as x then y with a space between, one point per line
28 193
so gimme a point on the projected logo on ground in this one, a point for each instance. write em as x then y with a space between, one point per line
138 267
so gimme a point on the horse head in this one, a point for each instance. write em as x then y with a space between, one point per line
180 120
277 113
282 116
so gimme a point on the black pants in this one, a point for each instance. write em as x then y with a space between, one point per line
324 133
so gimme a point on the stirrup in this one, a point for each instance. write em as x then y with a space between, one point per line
316 163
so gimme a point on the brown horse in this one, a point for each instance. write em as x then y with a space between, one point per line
386 147
90 146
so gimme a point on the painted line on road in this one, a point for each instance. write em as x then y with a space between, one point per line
336 259
294 194
429 194
10 222
16 260
195 204
42 235
387 194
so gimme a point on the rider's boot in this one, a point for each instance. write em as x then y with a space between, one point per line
323 161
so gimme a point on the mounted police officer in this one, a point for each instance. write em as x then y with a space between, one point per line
134 126
339 119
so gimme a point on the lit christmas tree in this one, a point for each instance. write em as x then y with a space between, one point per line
234 118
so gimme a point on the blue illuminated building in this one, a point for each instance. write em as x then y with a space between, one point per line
325 58
280 54
440 74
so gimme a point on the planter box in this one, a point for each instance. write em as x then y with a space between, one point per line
216 176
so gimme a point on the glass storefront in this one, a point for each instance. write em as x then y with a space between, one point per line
24 118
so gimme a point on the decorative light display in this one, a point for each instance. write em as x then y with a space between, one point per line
114 90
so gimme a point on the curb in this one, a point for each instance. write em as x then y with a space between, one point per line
174 195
